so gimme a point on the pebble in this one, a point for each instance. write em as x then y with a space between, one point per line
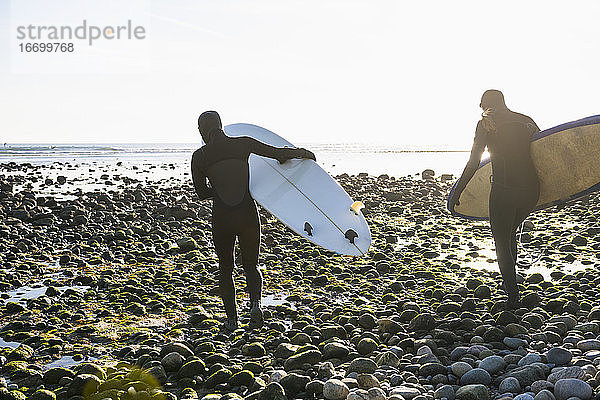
335 350
444 392
172 362
588 344
277 375
514 343
460 368
559 356
540 385
524 396
273 391
367 381
376 393
544 394
566 372
431 369
405 392
476 376
334 389
366 346
358 394
527 374
530 358
509 385
362 366
493 364
294 383
570 387
473 392
314 388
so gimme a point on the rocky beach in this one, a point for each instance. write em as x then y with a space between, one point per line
108 290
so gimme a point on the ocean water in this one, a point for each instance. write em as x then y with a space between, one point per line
352 158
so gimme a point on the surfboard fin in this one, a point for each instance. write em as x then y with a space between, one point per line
357 206
351 235
308 228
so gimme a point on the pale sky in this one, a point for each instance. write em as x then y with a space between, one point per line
329 71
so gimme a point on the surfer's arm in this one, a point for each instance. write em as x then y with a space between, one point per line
204 192
199 178
281 154
474 159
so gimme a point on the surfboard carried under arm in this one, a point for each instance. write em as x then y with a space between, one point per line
567 160
305 197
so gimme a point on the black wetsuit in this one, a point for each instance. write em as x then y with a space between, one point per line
224 161
515 185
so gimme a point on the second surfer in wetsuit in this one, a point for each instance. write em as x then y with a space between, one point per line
515 185
223 160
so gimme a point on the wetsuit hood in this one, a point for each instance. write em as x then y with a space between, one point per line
209 124
493 99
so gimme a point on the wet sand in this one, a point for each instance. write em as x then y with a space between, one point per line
108 289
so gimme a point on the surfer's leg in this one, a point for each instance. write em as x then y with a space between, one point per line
527 200
224 241
249 241
502 215
250 245
520 216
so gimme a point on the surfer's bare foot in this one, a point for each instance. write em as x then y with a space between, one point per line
256 314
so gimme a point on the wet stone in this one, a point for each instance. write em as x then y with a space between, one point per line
527 375
559 356
544 394
445 391
431 369
509 385
565 373
298 360
362 366
334 389
460 368
388 359
314 388
83 385
571 387
43 394
366 346
54 375
253 350
294 383
192 368
273 391
523 396
337 350
476 376
172 362
493 364
529 359
473 392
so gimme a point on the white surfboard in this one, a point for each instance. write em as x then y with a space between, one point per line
567 160
304 197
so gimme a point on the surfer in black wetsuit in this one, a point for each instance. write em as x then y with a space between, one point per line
515 185
224 161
